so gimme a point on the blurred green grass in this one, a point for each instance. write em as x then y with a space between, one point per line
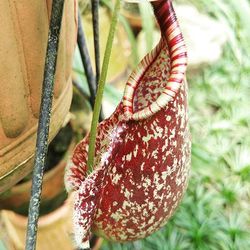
215 212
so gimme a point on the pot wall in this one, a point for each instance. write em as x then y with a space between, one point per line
24 33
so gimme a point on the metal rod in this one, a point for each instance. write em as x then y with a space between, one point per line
91 79
44 121
95 18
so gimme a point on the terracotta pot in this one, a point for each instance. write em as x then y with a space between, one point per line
18 197
24 33
54 230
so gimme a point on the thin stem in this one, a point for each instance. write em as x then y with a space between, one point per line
86 61
129 31
97 108
95 16
82 45
44 121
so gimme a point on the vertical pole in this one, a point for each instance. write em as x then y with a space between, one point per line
44 121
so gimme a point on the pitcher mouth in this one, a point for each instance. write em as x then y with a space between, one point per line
176 52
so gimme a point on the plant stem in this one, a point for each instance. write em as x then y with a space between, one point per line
129 31
82 45
95 16
95 20
99 95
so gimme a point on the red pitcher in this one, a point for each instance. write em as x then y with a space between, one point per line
142 151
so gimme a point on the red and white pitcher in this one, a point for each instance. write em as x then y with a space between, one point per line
142 151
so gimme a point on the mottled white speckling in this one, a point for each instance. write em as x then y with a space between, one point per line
142 166
128 194
128 157
168 118
146 183
135 150
146 162
116 178
116 216
151 220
